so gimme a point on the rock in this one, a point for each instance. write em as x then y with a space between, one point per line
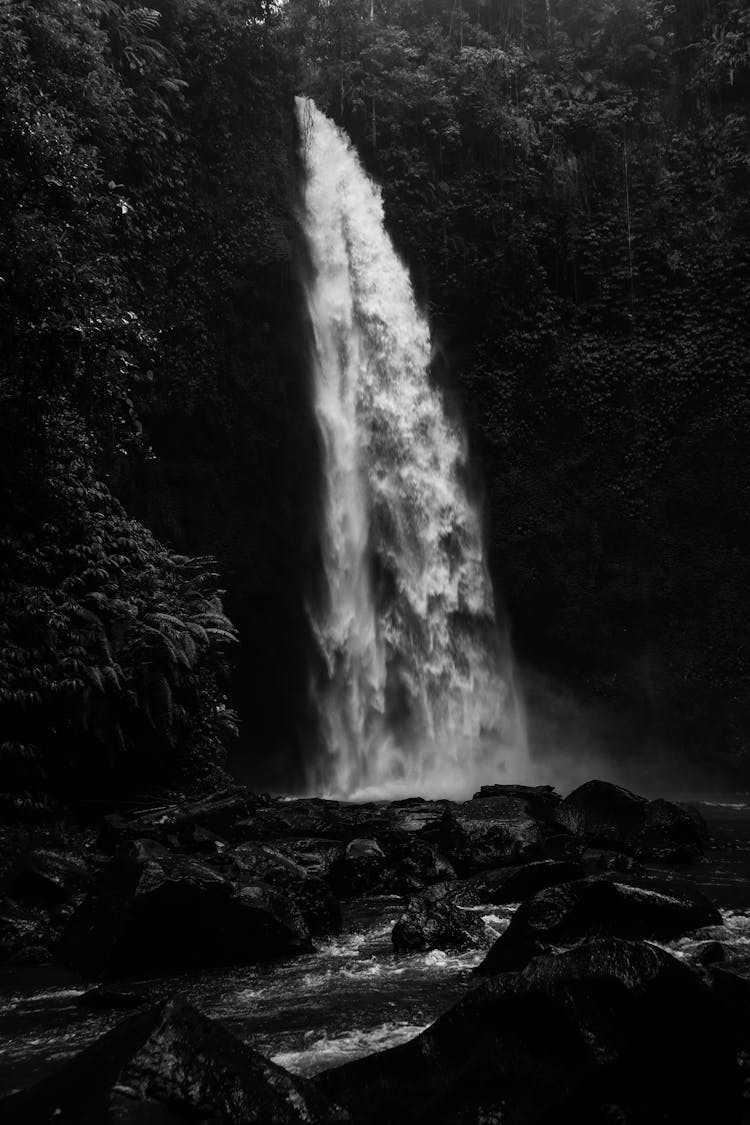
202 840
26 932
313 896
361 870
733 995
218 813
110 999
427 924
491 832
596 860
613 1031
513 884
358 849
670 833
597 908
151 909
710 953
541 800
608 816
49 876
315 854
168 1066
31 955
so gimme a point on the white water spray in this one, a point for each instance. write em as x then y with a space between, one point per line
418 694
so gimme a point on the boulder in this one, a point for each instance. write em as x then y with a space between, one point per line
361 870
541 800
27 934
613 1031
251 863
427 924
111 1000
218 813
596 860
491 832
608 816
514 884
710 953
50 876
315 854
151 909
170 1065
596 908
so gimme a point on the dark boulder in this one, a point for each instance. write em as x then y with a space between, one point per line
610 1032
361 870
218 813
710 953
111 1000
50 876
491 832
596 908
27 934
608 816
315 854
541 800
427 924
597 860
168 1066
261 862
514 884
151 909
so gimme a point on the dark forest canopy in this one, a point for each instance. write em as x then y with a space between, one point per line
568 182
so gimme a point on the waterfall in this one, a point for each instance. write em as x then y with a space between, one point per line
417 697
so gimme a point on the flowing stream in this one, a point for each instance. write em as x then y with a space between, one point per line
417 695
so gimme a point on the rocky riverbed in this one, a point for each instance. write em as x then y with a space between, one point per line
516 958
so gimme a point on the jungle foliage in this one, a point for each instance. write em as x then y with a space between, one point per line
112 647
569 181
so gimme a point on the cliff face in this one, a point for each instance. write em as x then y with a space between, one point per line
233 470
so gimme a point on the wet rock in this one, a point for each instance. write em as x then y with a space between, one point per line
541 800
31 955
151 909
353 875
315 854
563 845
360 849
50 876
219 813
312 895
596 860
613 1031
202 840
27 933
417 815
608 816
597 908
110 999
710 953
733 995
513 884
427 924
168 1066
491 832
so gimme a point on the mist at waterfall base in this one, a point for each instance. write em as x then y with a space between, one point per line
416 693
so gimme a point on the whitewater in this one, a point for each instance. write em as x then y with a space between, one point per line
417 695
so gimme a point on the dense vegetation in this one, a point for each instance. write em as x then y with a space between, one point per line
120 127
569 182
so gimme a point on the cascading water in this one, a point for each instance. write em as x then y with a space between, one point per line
418 694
